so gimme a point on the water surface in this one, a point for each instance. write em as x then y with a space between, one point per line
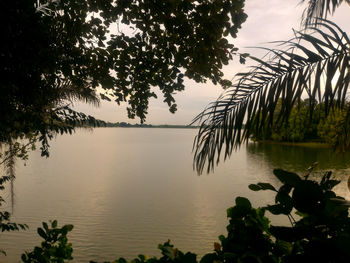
126 190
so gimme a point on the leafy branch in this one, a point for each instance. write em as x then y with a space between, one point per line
315 65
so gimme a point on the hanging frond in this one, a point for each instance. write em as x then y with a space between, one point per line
69 92
319 9
314 65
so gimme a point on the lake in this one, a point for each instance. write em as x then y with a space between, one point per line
126 190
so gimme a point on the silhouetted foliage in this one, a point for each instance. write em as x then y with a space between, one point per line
55 52
314 65
319 9
55 247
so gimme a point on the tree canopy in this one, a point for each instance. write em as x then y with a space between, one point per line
56 51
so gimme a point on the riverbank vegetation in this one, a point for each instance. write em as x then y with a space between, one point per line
306 123
143 125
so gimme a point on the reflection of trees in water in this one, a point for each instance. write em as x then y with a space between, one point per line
12 193
8 195
298 158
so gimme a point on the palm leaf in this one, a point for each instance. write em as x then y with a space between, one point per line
67 91
319 9
304 66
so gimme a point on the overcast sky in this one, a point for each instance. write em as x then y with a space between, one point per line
268 20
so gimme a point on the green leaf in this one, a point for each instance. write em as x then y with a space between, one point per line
243 202
69 227
42 233
285 201
46 227
275 209
254 187
287 177
237 211
266 186
307 197
54 224
261 186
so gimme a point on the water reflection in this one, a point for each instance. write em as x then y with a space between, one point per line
12 192
298 158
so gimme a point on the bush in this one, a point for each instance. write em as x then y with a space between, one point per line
55 247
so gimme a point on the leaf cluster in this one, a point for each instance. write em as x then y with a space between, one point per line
55 247
321 232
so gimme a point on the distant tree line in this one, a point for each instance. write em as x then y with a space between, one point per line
138 125
306 122
126 124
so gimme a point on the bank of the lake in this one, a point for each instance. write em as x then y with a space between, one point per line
309 144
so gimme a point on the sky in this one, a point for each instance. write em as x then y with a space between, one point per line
268 20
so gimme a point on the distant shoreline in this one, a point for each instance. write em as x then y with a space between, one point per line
301 144
149 126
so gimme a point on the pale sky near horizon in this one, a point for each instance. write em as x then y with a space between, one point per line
267 21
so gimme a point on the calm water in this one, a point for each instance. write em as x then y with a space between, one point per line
127 190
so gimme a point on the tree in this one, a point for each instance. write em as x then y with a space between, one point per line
58 51
314 64
334 127
297 128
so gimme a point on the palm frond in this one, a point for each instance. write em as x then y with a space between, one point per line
315 65
319 9
69 92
